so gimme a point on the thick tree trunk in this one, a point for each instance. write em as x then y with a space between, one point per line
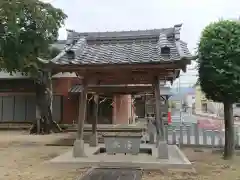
44 123
229 131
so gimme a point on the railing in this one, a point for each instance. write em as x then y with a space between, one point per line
192 135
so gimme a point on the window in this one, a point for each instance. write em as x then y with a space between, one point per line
204 106
165 50
71 54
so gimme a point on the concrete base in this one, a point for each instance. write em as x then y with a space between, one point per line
151 138
142 160
93 141
157 140
162 150
78 148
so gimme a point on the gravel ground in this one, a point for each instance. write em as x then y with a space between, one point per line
24 157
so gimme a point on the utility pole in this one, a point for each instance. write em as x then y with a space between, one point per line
181 101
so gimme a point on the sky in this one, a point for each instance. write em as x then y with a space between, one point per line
115 15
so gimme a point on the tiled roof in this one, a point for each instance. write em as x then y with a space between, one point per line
76 89
125 47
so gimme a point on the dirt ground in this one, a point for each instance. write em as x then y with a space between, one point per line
24 157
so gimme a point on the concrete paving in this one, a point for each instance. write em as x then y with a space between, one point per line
145 161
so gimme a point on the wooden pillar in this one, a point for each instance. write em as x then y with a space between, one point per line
159 120
94 137
114 110
78 148
161 144
145 105
82 113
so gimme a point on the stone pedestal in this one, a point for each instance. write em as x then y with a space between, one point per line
78 148
93 141
126 143
151 138
162 150
158 138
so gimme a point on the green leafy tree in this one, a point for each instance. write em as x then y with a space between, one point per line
219 71
27 30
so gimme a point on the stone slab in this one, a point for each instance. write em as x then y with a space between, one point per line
122 134
122 144
176 159
163 150
93 140
112 174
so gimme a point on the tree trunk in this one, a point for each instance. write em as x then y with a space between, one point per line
44 123
229 131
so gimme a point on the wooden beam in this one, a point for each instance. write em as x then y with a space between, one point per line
126 76
132 72
145 105
121 90
119 80
159 120
101 67
94 136
96 103
122 81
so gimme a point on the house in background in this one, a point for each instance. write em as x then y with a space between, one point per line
183 96
204 105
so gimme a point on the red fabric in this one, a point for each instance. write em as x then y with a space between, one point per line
169 118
